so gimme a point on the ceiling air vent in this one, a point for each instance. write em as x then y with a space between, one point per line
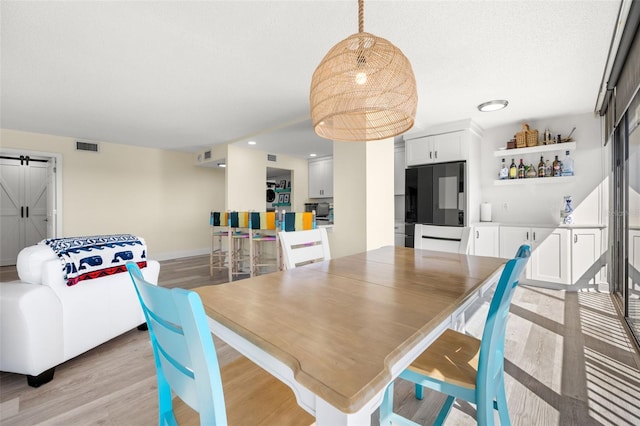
86 146
207 155
271 157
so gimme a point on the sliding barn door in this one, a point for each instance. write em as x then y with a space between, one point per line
23 206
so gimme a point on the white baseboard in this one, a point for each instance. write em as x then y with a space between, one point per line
178 254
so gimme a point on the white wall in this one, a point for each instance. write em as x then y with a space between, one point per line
157 194
246 174
541 203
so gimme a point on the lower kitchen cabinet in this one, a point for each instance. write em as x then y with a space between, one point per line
559 255
550 255
550 259
586 249
485 240
511 238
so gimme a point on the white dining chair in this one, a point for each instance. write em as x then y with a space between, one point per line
453 239
303 247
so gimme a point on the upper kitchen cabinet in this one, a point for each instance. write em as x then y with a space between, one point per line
321 178
440 148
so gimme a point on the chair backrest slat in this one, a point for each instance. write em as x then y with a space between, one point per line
186 361
301 247
451 239
491 360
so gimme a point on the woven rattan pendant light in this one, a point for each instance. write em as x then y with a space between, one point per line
364 89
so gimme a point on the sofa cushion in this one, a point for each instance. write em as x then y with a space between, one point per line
30 260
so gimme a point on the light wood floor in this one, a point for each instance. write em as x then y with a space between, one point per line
568 362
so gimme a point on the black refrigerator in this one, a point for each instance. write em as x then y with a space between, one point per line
434 195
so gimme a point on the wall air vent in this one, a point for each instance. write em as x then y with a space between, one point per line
207 155
87 146
271 157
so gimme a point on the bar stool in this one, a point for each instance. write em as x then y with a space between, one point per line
263 230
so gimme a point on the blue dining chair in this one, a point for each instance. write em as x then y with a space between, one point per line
187 367
464 367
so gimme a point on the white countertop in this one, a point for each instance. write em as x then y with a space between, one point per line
542 225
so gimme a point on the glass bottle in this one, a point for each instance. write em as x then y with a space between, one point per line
513 170
504 171
541 167
567 165
555 170
521 170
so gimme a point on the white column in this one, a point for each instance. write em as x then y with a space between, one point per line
362 196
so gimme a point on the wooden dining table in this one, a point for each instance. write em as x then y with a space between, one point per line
338 332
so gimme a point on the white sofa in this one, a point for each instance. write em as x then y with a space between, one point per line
44 322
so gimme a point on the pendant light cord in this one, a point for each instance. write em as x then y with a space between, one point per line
361 16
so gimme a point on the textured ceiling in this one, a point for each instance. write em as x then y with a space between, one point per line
188 75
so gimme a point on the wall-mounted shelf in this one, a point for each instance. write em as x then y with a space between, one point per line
565 146
283 190
281 204
535 181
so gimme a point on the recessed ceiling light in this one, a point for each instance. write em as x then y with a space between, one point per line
251 142
312 155
222 165
493 105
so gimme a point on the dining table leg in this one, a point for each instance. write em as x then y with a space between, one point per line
327 415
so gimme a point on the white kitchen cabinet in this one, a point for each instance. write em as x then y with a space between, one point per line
586 249
550 259
550 251
398 234
398 170
436 148
486 240
511 238
321 178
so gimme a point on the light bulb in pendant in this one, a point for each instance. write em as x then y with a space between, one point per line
361 78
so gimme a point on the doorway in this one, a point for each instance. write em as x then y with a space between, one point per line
279 187
29 201
625 220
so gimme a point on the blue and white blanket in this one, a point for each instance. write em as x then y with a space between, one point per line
85 258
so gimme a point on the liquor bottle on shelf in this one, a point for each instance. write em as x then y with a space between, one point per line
567 165
504 171
556 169
541 167
513 170
521 170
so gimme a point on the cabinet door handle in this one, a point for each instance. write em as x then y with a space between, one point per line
436 155
527 235
430 155
477 234
22 211
27 211
534 236
575 238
